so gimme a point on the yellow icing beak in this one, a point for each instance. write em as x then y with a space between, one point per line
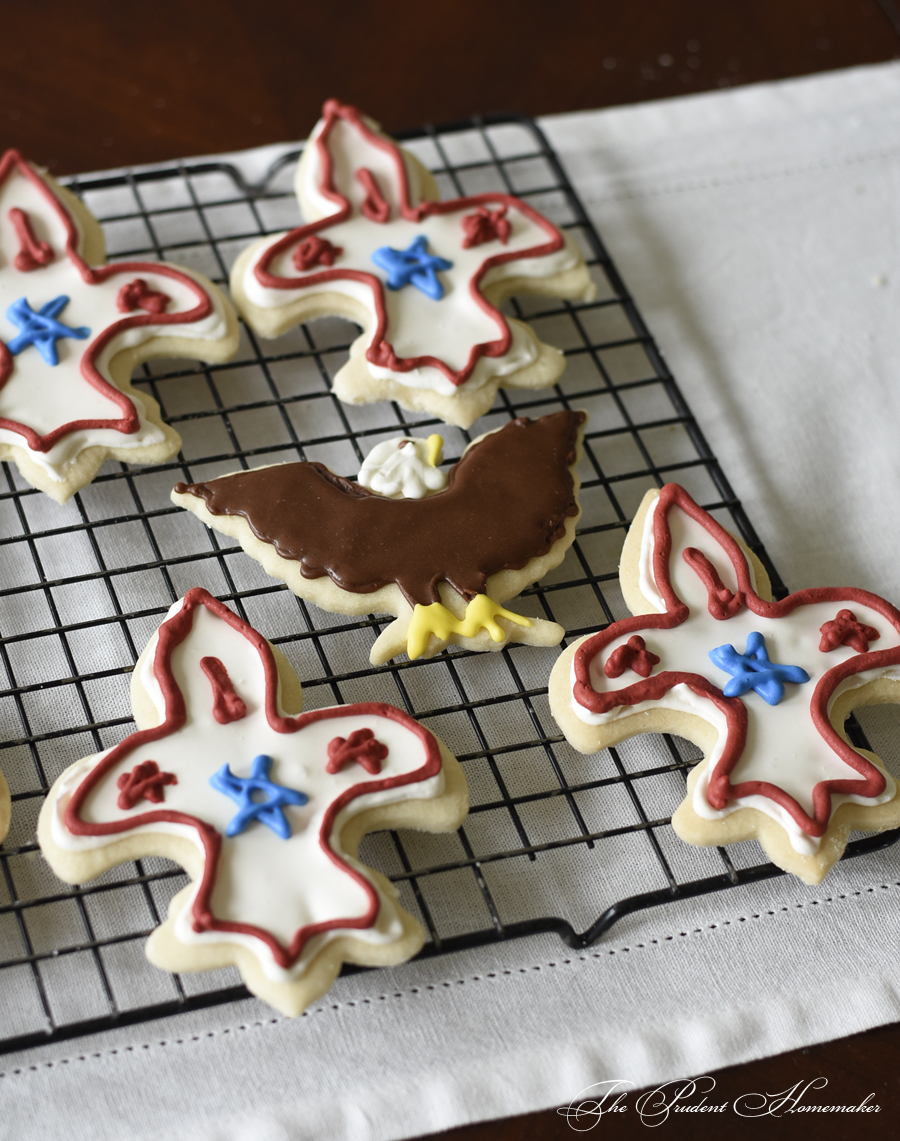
435 445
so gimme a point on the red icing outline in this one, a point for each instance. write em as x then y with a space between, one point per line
721 789
129 423
172 633
380 351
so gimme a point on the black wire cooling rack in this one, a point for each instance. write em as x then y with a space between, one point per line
555 841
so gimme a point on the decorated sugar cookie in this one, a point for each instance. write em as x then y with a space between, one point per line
262 805
72 330
763 687
422 277
443 563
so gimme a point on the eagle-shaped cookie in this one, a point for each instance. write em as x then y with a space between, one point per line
443 563
264 806
763 687
423 277
72 330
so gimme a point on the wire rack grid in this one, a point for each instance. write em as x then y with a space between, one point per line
554 841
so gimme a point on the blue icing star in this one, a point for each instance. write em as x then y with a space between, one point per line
241 789
413 265
41 329
753 670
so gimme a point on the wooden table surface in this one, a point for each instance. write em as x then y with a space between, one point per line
100 84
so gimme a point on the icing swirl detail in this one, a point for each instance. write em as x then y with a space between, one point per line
404 467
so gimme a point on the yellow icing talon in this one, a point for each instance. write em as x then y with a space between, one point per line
481 613
435 445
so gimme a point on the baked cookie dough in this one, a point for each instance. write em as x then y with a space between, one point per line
264 807
442 563
763 687
72 331
423 277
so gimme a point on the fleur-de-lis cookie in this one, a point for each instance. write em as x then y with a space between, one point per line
423 277
72 330
763 687
264 806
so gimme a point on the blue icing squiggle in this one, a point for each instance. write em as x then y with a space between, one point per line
753 670
41 329
413 266
241 789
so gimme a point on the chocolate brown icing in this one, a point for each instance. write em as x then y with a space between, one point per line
506 502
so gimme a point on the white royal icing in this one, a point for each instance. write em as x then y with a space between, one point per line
417 325
43 396
275 884
783 746
400 469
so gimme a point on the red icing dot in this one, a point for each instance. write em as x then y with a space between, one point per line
361 748
846 630
634 655
144 782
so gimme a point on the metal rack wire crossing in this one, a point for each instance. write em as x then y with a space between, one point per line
554 841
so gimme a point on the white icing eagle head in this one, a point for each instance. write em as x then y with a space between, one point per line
404 468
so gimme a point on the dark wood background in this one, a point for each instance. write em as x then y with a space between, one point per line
102 83
98 83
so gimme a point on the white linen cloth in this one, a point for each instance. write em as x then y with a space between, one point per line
759 231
